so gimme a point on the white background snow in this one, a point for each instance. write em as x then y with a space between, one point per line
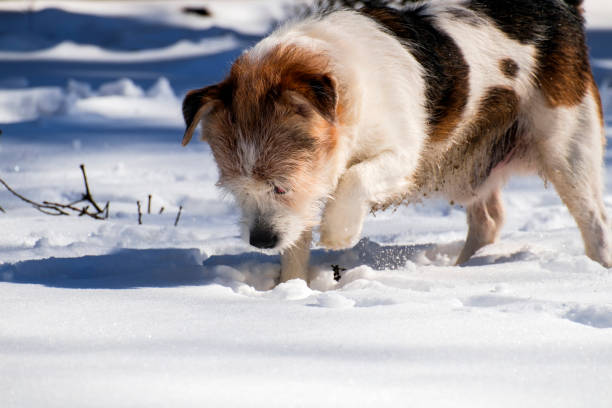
116 314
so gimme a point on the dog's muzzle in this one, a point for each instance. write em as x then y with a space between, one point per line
263 238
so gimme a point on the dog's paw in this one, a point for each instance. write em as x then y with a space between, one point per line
341 225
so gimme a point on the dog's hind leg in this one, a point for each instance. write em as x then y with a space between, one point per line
584 201
485 219
569 142
574 166
294 260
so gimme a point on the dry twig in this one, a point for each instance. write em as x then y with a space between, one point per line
337 272
51 208
178 216
139 213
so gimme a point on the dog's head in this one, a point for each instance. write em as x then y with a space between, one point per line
271 128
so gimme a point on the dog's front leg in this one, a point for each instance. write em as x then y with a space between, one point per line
368 182
294 261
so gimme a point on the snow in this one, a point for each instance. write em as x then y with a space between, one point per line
121 100
68 50
597 13
112 313
246 16
30 103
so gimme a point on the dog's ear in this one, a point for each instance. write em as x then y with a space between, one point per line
197 104
320 92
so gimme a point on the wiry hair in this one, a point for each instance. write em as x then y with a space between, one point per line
272 123
269 127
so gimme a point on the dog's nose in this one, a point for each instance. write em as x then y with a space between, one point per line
263 238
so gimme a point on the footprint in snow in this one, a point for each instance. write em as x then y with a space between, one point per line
599 316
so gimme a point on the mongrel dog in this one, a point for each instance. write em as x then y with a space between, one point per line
349 111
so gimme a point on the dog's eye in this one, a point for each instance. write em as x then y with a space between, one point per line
278 190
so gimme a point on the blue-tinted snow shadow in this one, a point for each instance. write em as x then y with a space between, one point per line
184 73
366 252
598 41
31 31
170 267
598 316
57 131
599 48
523 255
131 268
40 30
127 268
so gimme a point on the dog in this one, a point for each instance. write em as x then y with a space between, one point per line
348 111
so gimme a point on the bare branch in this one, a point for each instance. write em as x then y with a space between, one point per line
51 208
80 211
44 208
178 216
87 196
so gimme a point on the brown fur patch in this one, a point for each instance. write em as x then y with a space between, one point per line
563 74
325 134
494 131
276 120
498 108
259 83
509 67
490 139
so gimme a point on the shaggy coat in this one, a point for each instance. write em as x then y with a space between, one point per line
353 110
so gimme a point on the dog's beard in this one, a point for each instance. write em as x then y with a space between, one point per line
286 224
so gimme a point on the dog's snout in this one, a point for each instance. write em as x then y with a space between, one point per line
263 238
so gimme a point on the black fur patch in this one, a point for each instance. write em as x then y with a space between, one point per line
522 20
509 67
447 72
195 99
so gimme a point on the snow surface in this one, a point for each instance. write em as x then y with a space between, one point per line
68 50
112 313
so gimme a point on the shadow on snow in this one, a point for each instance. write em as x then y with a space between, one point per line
130 268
